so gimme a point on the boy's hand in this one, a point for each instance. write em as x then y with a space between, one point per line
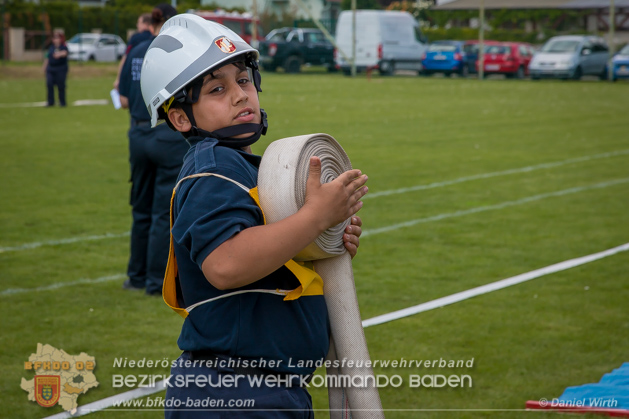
352 235
334 202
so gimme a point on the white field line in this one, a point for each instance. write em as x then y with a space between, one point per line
500 206
57 285
34 245
440 302
526 169
84 102
368 232
494 286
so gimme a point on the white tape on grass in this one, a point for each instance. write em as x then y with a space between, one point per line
55 286
115 400
28 246
526 169
119 399
34 245
500 206
494 286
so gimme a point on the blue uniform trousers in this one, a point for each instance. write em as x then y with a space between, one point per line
156 155
200 392
56 77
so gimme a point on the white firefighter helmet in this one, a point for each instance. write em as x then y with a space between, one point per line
187 47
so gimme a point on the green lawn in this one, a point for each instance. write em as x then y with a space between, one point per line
65 176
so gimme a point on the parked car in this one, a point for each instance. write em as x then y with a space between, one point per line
96 47
570 57
385 40
290 48
445 57
509 58
241 23
620 64
470 49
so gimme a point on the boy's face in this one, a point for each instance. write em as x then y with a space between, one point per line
227 98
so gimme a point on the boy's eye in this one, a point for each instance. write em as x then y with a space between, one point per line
216 89
244 80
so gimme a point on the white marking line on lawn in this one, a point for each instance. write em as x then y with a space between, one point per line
111 401
440 302
27 246
84 102
496 174
494 286
34 245
57 285
492 207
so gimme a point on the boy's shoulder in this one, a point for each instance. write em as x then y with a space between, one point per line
206 156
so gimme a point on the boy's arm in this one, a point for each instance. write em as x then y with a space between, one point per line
258 251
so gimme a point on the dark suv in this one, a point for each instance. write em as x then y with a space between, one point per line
290 48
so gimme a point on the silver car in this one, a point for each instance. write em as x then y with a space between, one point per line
570 57
96 47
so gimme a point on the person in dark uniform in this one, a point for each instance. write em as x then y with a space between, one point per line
156 155
250 310
144 33
56 69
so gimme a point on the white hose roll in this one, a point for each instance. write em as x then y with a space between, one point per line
282 181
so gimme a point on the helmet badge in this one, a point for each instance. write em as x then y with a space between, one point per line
225 45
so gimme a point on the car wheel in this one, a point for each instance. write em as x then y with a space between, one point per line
91 58
535 78
464 72
292 64
386 68
577 74
603 75
520 73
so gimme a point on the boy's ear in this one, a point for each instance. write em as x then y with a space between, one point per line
179 119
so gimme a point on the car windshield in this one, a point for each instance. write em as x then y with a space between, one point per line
561 46
86 40
442 48
624 50
497 49
278 36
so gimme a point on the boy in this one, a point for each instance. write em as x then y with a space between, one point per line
203 80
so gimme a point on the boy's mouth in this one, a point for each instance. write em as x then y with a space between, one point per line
245 115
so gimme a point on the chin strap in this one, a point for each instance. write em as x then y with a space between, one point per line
225 135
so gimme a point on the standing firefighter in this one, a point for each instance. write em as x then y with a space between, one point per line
156 155
227 267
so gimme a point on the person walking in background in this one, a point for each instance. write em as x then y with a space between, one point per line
156 155
56 69
143 26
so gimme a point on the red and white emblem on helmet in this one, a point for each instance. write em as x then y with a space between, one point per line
225 45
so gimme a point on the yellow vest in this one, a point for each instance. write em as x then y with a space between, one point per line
310 281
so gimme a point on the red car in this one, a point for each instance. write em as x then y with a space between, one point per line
509 58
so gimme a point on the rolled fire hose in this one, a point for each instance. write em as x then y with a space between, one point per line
282 181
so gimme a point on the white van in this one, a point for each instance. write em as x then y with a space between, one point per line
386 40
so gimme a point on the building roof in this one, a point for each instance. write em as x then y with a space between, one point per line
531 4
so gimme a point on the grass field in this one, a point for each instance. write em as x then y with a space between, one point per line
65 179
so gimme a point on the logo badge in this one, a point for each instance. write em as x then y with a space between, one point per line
225 45
47 389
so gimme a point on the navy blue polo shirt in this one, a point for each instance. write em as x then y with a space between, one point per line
129 85
207 212
57 63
